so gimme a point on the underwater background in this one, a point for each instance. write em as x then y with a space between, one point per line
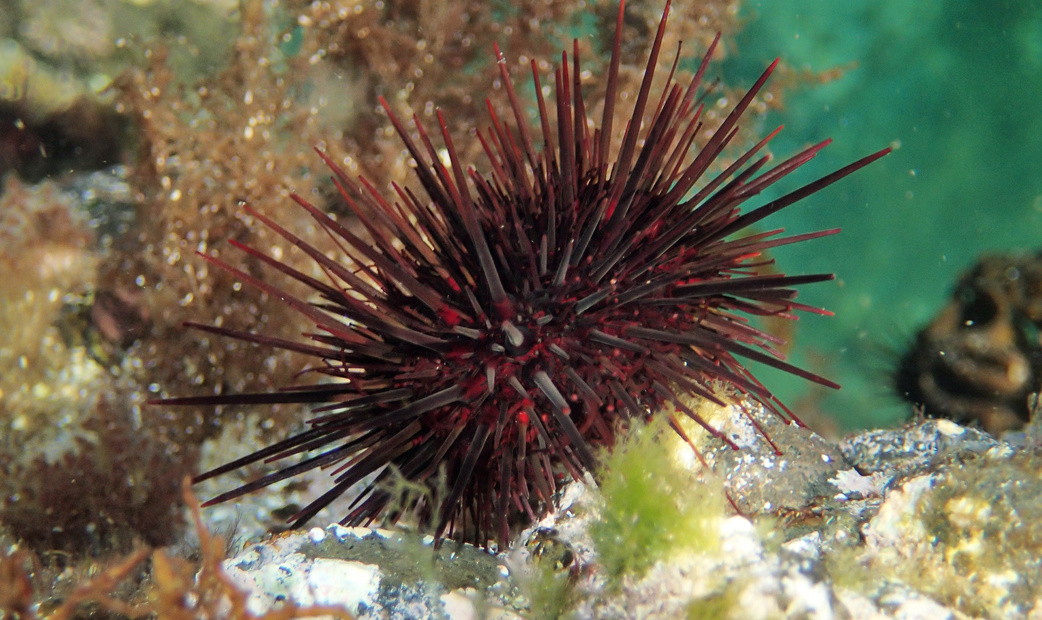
955 87
952 86
131 130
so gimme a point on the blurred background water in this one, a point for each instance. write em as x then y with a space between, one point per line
955 86
107 192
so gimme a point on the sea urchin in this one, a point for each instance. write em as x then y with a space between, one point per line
502 326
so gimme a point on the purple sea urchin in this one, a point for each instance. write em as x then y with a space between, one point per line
501 327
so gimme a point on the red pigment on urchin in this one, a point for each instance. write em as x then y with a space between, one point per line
528 313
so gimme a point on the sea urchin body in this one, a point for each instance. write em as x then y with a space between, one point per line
500 327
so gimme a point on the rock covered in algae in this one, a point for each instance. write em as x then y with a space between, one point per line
932 521
968 533
79 473
373 573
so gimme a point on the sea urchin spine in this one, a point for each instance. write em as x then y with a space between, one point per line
505 324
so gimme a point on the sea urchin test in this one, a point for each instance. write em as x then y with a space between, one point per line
499 326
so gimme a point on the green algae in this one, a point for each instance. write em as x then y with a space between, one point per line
652 505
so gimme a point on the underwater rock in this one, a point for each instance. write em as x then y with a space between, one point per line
50 123
965 530
917 449
373 574
930 521
760 478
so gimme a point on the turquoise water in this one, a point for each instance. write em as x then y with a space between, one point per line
957 85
